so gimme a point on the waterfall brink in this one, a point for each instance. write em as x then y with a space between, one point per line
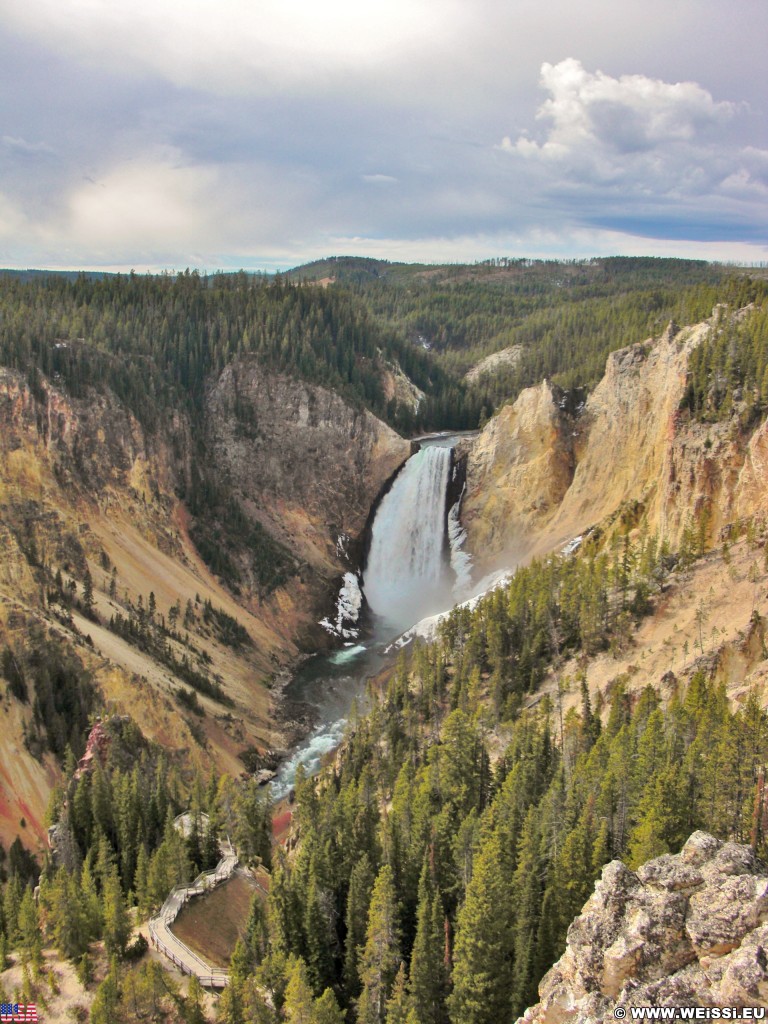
405 576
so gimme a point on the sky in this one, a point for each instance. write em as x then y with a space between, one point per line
261 134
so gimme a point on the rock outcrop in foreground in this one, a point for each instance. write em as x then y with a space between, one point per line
684 930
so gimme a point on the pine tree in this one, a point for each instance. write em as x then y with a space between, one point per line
70 928
88 591
256 936
271 975
428 976
527 894
256 1009
284 912
193 1004
482 973
399 1003
90 903
11 904
29 929
117 924
141 881
327 1009
574 868
661 818
318 937
104 1009
358 902
380 958
299 1002
231 1004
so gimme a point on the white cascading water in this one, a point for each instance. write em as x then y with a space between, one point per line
405 574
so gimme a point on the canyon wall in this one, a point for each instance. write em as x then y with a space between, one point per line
540 474
86 489
307 464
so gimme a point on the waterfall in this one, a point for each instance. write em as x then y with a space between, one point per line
405 575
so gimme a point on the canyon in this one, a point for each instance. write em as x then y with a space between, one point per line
83 484
168 570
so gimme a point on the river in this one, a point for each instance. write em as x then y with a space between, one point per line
407 577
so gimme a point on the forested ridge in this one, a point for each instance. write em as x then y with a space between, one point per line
567 316
442 856
157 340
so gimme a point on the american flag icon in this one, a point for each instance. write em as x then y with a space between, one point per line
18 1013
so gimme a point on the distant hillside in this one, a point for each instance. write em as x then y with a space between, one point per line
566 316
67 275
168 536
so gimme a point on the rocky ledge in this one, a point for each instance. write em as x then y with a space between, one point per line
683 930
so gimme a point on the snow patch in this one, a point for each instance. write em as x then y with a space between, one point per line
348 606
572 546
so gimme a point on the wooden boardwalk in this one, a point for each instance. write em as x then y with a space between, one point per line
162 937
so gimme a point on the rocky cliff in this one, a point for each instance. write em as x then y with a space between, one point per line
308 465
518 471
89 492
538 476
684 930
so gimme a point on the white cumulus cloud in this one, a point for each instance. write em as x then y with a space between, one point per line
631 132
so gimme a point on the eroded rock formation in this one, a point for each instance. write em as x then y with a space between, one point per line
301 459
683 930
537 477
87 490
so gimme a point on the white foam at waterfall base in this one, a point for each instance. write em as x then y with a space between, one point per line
427 627
349 654
405 575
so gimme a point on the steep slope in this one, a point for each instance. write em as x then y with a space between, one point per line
89 499
301 459
538 475
518 471
684 930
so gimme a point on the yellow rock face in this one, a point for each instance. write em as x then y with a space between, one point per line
537 477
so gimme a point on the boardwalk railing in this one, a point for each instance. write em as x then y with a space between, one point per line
162 937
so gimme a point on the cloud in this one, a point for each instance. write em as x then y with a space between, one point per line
19 145
13 223
631 113
635 150
233 134
240 47
605 129
157 209
145 203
